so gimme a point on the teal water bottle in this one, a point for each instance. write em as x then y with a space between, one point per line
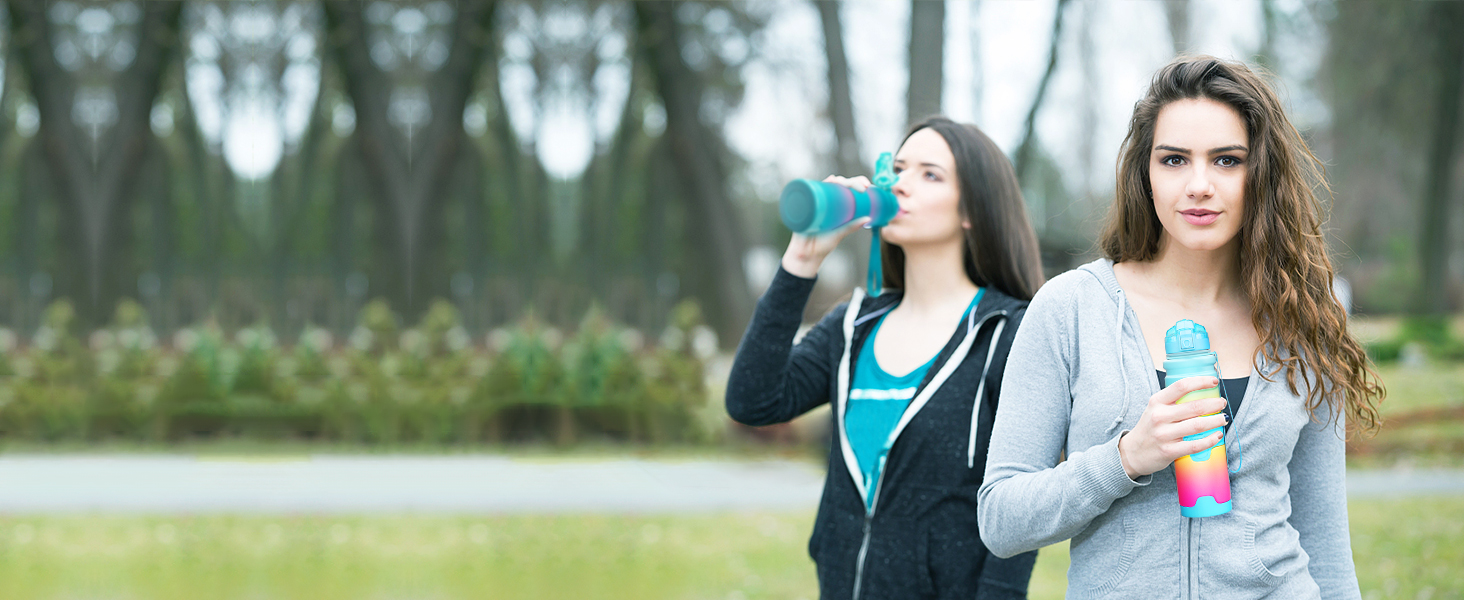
811 207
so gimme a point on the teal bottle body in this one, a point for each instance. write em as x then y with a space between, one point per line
1203 478
811 207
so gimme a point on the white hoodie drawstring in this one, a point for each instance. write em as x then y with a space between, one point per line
980 391
1118 346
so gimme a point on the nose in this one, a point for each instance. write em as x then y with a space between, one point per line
1199 185
901 187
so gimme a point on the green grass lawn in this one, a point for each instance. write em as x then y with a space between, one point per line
1404 549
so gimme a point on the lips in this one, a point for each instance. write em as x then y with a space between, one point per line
1199 216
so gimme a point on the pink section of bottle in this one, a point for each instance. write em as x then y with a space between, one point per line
848 205
1197 479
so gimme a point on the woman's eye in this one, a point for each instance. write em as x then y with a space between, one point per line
931 176
1228 161
1173 161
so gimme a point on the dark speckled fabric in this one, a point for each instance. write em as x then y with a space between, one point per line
924 541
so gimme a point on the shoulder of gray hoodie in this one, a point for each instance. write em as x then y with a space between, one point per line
1079 375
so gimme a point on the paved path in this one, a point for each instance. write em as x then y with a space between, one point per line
468 484
1405 482
344 484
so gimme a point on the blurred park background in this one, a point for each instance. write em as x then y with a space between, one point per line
537 228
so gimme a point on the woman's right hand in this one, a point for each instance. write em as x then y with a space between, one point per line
1158 439
806 253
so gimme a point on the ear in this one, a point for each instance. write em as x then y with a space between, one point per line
965 224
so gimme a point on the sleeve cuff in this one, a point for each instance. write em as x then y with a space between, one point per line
1143 480
783 273
791 288
1104 476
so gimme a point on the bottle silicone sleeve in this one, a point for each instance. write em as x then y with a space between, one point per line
1202 477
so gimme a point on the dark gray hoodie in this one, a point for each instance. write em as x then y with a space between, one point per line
1079 375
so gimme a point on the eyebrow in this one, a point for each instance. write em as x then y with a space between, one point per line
924 164
1230 148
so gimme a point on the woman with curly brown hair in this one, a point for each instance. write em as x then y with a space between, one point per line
1217 219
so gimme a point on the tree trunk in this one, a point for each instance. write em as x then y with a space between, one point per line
1025 148
848 160
409 180
698 154
95 185
293 191
32 193
470 193
841 102
927 53
343 263
1177 12
1434 246
200 170
1266 54
527 233
157 189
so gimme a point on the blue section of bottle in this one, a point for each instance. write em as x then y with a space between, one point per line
1193 364
811 207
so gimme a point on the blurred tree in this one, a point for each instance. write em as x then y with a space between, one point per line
848 158
94 69
1270 30
1025 148
927 59
1392 74
1177 15
841 102
1434 246
409 70
714 225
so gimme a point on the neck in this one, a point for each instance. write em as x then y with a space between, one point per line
1193 277
935 278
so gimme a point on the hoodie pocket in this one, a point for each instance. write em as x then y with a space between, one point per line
1274 552
1238 557
1103 556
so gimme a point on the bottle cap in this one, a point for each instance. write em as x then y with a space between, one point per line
884 171
1186 336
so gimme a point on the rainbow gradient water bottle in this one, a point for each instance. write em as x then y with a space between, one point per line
1204 480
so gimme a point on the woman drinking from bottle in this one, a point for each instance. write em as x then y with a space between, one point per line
912 374
1216 220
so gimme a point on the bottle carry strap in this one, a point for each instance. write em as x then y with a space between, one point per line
1233 465
875 282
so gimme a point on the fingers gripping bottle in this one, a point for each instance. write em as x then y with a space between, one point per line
1204 481
811 207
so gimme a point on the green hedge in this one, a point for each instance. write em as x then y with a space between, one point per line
429 383
1431 335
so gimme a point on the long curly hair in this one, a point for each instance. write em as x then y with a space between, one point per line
1283 256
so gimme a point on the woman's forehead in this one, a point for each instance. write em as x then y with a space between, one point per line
926 146
1198 125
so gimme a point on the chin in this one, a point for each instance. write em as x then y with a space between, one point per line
1203 243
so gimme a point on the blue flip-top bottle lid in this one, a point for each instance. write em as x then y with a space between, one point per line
1186 336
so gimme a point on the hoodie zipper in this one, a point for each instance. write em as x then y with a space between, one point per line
879 481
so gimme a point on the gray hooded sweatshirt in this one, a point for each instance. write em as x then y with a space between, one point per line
1079 375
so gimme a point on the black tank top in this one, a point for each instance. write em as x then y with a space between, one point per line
1233 390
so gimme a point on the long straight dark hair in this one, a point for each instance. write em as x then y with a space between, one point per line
1000 246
